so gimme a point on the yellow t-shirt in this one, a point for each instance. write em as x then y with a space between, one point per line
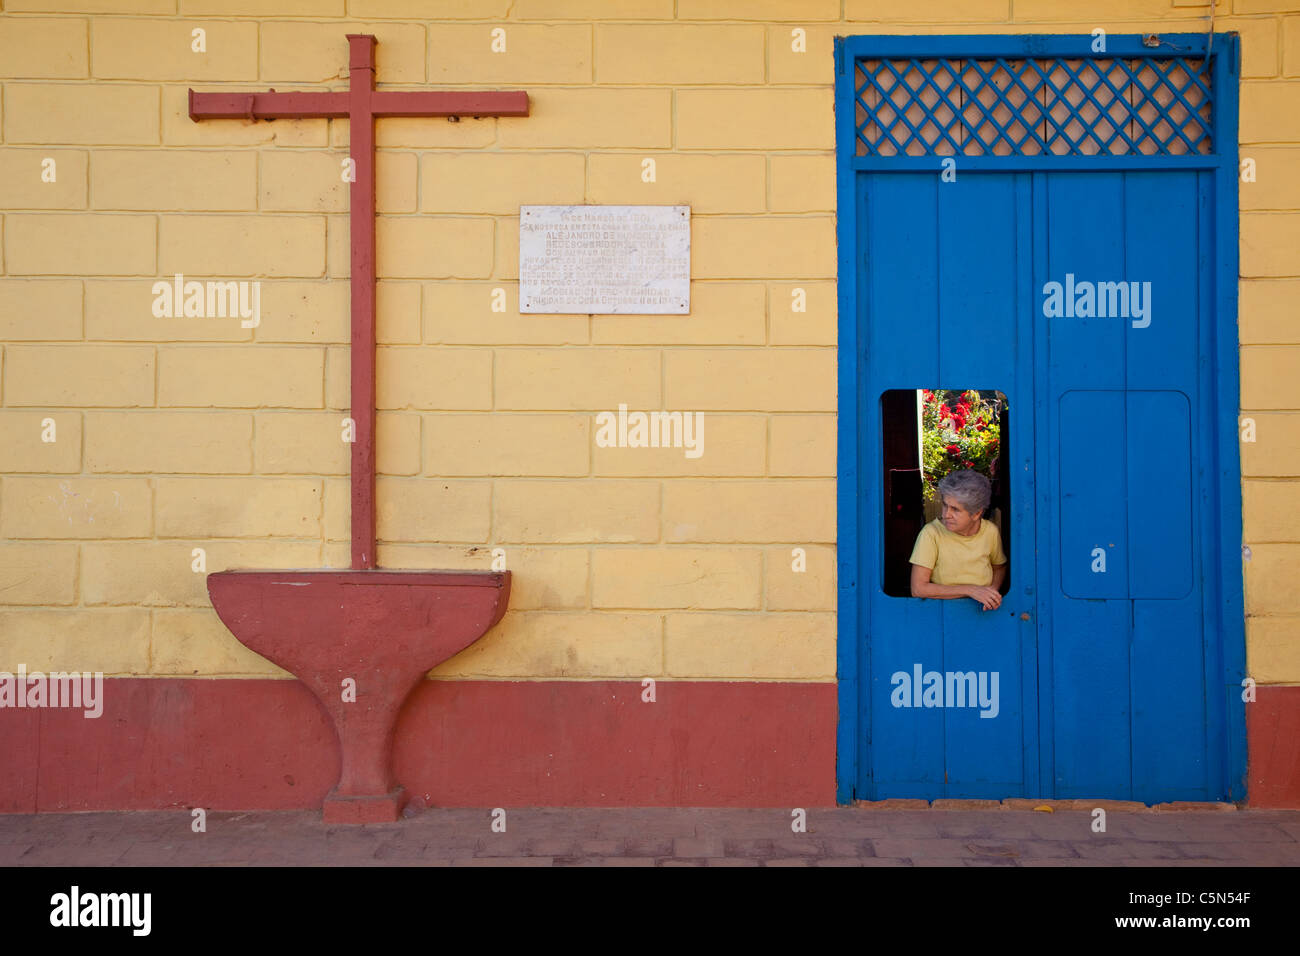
956 559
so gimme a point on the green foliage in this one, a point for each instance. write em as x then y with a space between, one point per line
958 430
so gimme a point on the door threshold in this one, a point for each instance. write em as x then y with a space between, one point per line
1045 806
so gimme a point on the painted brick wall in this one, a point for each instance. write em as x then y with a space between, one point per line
176 434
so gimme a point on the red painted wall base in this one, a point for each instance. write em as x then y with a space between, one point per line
1273 748
267 744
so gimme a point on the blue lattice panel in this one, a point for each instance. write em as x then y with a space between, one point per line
1061 106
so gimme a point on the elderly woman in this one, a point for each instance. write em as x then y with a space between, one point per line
960 553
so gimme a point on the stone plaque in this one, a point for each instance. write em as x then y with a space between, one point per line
614 259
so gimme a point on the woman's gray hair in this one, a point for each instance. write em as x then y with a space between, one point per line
969 488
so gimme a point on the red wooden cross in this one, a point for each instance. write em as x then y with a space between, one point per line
360 103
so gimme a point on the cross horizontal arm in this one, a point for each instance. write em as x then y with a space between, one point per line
447 103
268 105
309 105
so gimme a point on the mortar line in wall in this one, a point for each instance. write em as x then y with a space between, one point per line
252 450
321 519
662 514
663 644
589 549
157 360
672 118
767 448
767 184
81 446
767 29
663 379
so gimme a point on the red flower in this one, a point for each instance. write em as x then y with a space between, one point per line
944 410
970 464
953 449
979 427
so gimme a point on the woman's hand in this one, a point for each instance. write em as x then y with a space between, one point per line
988 597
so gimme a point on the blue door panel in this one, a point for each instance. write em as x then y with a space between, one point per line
901 248
1084 369
984 753
978 293
1085 213
1163 246
1090 681
907 740
1159 495
1169 702
902 349
1093 556
979 327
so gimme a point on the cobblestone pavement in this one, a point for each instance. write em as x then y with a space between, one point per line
863 835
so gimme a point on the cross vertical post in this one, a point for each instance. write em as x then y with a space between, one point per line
361 144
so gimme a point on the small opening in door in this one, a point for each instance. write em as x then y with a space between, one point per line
929 434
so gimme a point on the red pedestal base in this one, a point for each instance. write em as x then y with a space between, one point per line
368 809
362 641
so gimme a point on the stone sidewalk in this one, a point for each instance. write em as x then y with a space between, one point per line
863 835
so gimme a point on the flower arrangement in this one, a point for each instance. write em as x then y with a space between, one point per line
958 430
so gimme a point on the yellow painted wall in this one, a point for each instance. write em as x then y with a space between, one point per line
175 434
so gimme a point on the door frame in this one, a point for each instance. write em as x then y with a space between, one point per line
856 567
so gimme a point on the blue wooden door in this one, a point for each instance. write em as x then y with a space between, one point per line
1093 283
